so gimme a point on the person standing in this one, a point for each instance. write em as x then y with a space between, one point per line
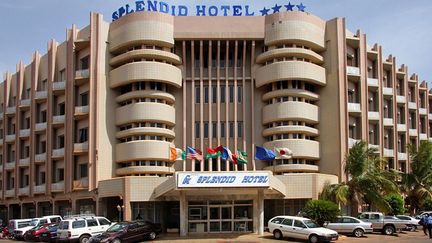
422 222
429 225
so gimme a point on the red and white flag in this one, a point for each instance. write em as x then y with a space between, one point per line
283 153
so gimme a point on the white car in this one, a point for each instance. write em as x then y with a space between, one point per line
81 228
19 233
412 224
350 225
300 228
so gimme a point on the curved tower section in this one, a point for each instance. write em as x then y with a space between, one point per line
144 75
291 76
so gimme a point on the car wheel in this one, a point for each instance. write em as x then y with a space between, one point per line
84 239
358 233
152 235
277 235
389 230
313 239
116 240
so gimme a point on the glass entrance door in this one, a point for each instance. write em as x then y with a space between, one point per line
220 217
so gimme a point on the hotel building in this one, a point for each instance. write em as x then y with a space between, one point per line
88 126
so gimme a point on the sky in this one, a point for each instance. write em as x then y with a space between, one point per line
403 28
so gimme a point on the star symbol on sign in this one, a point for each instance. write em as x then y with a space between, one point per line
264 11
289 7
301 7
276 8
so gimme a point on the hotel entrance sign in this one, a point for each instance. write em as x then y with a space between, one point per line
222 179
203 10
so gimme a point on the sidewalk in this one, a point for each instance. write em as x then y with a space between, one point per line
217 238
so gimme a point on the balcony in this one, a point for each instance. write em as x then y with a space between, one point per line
374 146
58 186
25 103
354 107
59 86
58 120
41 95
10 138
373 115
58 153
353 71
422 111
388 121
412 132
400 99
352 141
24 133
24 162
10 193
402 156
81 76
80 148
388 152
412 105
373 82
81 111
40 158
387 91
11 110
40 126
423 136
10 165
39 189
430 116
401 127
80 184
24 191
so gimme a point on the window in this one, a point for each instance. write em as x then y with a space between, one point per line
287 222
222 94
239 94
214 94
60 173
83 170
92 222
299 224
214 130
231 94
62 75
240 129
60 141
78 224
61 109
222 129
103 221
197 130
156 86
206 130
83 135
197 94
231 129
206 94
84 99
84 63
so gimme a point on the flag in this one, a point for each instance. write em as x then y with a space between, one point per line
214 153
240 157
177 154
264 154
283 153
194 153
226 154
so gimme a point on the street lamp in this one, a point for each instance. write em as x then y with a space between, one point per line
120 210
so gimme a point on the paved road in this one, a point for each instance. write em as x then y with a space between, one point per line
404 237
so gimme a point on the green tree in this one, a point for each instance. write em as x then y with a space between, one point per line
366 180
321 211
396 203
417 184
426 205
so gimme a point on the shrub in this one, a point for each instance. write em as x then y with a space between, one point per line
321 211
396 203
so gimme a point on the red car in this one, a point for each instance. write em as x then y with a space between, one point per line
34 233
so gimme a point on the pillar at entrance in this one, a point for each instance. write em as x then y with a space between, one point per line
258 213
183 214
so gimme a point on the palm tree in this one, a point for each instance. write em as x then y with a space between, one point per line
417 184
366 181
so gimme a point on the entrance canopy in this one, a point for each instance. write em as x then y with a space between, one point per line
221 183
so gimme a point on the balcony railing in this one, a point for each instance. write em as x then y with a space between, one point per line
430 116
81 147
81 74
24 162
422 111
59 86
10 138
400 99
10 193
82 183
373 82
388 121
81 110
412 132
57 120
58 153
353 71
402 156
354 107
10 165
58 186
40 188
387 91
374 146
40 157
10 110
41 126
24 133
423 136
41 95
373 115
401 127
24 190
25 103
412 105
352 141
388 152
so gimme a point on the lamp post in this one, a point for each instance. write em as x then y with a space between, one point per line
120 211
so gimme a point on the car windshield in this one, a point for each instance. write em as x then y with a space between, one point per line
117 227
310 224
34 222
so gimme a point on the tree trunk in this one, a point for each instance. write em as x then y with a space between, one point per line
354 207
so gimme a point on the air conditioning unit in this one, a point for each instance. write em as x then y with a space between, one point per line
386 136
385 106
385 77
350 55
353 125
370 99
370 68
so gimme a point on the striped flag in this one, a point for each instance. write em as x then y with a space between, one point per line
240 157
177 154
194 154
214 153
226 154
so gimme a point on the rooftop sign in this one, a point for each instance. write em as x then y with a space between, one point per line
202 10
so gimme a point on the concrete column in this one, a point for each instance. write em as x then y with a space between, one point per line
127 210
22 211
183 214
258 213
37 209
74 207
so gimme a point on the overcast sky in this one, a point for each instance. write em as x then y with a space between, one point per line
403 28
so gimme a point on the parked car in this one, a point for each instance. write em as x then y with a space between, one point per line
413 223
50 235
128 232
81 228
387 226
34 233
19 233
6 234
350 225
17 224
300 228
419 216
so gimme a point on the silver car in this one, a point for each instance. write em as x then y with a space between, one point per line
350 225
